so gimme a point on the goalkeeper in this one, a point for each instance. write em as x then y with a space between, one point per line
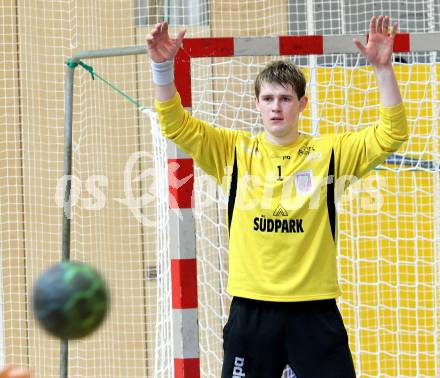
281 213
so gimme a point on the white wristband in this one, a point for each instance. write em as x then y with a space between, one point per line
163 73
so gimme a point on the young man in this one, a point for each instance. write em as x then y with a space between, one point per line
282 226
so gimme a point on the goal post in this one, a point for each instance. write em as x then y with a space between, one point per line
388 266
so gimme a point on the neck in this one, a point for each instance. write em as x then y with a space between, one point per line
282 140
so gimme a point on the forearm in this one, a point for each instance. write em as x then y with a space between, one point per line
392 130
171 115
164 92
163 80
389 91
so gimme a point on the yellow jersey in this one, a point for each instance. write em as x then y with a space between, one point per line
281 211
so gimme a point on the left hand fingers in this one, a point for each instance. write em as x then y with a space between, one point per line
383 26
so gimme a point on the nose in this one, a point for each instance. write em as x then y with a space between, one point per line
276 105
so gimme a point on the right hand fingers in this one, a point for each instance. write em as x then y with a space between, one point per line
158 33
155 32
180 36
160 29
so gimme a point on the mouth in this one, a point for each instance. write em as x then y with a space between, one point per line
276 119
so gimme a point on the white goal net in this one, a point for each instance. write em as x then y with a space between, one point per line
389 226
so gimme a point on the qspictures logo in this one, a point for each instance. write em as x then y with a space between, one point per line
142 188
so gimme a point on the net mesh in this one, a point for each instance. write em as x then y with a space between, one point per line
388 223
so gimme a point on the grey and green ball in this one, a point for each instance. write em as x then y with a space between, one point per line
70 300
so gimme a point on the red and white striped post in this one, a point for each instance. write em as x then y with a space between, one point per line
182 238
183 264
181 171
183 247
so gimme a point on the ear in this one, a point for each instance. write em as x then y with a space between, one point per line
303 103
257 103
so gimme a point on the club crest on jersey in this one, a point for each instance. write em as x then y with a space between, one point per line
303 182
314 156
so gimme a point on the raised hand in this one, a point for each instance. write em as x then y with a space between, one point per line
379 47
160 46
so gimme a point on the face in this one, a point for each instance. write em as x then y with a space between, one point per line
280 109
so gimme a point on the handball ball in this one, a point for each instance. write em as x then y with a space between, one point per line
70 300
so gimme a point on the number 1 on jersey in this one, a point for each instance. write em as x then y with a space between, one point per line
279 174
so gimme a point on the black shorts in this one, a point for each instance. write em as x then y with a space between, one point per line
261 338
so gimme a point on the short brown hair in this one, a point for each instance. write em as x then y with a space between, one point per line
283 73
